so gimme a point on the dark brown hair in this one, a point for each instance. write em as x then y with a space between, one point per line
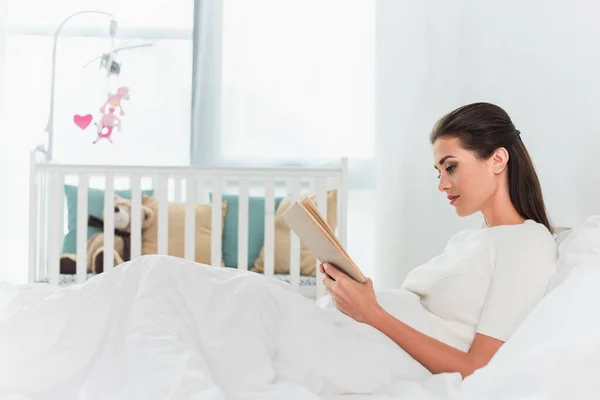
483 128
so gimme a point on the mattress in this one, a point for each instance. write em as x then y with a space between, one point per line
66 279
304 280
70 279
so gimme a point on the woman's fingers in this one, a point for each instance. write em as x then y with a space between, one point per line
333 272
329 283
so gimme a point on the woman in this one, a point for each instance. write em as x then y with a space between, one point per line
484 284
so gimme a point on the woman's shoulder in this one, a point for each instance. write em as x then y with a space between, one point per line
527 234
528 246
462 236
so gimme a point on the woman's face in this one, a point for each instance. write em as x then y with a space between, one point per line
467 181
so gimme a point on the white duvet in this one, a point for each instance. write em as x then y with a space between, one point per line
164 328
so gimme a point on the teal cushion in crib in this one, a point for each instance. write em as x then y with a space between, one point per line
256 228
95 207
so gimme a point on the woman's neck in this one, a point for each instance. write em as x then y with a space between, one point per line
501 211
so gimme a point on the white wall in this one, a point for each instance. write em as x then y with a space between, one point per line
3 32
417 70
538 61
3 28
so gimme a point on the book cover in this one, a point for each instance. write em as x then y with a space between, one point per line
313 231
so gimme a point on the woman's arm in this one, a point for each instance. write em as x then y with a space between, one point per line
359 302
434 355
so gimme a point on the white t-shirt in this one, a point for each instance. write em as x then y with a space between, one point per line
486 281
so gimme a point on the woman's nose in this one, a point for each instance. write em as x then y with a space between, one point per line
443 185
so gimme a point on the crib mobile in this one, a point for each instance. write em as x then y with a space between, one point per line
108 120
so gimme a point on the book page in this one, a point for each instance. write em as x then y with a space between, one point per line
312 209
310 206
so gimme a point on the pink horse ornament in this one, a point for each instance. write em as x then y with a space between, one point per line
104 129
114 100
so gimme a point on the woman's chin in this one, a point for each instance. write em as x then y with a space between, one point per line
464 212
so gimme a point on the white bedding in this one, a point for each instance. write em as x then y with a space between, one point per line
161 327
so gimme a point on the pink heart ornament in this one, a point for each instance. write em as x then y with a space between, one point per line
83 121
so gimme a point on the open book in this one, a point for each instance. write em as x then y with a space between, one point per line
305 220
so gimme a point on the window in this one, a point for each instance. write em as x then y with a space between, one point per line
156 124
297 83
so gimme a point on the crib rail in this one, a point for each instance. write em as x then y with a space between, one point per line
189 185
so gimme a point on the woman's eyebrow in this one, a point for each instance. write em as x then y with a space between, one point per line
443 160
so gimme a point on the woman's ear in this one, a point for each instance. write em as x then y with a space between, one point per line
500 160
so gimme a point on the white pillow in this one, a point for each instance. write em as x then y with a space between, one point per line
555 352
576 246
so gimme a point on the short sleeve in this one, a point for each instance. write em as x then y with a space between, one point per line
524 262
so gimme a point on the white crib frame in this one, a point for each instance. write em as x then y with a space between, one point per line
46 230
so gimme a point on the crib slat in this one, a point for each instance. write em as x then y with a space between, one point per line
295 241
190 220
178 198
136 216
163 214
33 219
216 226
243 225
343 204
321 192
109 223
269 245
55 225
200 190
82 223
43 224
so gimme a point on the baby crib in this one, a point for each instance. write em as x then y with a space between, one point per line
190 185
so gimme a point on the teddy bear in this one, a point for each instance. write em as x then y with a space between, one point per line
122 236
122 233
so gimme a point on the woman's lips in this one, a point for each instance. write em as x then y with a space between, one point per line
453 199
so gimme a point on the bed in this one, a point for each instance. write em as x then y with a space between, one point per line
136 344
242 229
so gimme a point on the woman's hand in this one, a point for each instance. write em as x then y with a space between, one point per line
357 300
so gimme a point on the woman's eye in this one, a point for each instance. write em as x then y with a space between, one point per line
450 168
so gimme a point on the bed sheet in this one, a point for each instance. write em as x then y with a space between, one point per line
162 327
204 333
